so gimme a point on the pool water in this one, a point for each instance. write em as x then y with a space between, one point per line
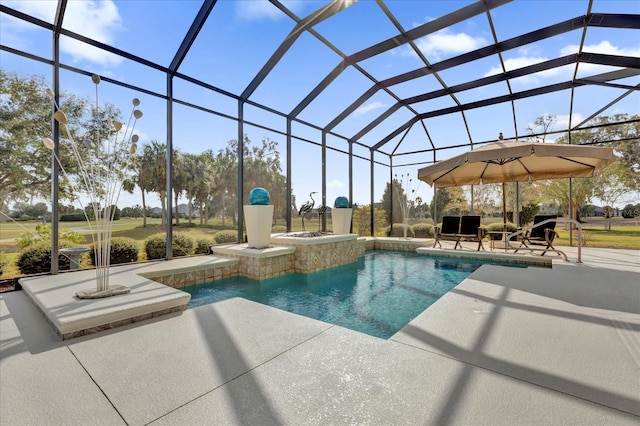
377 295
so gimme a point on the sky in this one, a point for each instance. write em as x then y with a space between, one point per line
241 35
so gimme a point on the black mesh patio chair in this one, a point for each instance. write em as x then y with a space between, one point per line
449 230
470 230
542 235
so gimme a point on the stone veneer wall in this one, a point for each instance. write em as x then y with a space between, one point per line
305 259
261 268
112 325
317 257
399 244
184 279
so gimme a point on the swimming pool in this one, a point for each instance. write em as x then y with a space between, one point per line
377 295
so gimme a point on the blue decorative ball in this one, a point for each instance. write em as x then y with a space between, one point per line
341 203
259 196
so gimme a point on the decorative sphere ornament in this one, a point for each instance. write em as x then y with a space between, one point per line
259 197
341 203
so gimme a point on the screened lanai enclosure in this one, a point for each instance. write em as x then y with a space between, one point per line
336 98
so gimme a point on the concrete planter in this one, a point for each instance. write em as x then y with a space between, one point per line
341 220
257 219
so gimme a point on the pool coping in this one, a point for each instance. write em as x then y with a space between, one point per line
155 286
508 346
524 259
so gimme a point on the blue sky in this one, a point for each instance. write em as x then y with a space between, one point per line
241 35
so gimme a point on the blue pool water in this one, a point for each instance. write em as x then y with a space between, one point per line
378 295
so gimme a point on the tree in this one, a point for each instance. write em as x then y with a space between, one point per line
612 183
448 201
193 168
537 131
484 198
362 219
262 167
623 175
226 166
153 165
179 180
206 191
624 140
25 114
630 211
399 202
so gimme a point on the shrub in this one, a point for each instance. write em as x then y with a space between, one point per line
72 217
497 226
156 245
398 230
278 228
226 237
123 250
183 245
586 236
629 211
3 263
43 234
36 259
422 230
203 245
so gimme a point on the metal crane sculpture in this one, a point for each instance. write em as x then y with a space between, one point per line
306 208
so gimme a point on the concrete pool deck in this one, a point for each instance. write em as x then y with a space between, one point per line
506 346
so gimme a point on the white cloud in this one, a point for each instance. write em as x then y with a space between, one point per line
524 61
369 107
531 55
563 120
98 20
515 63
254 10
335 183
604 47
44 10
435 45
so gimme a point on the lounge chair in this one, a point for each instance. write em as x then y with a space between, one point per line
470 230
449 230
540 235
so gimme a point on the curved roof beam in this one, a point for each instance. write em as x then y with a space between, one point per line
615 75
598 20
191 35
608 20
485 81
575 70
504 71
430 27
422 57
57 21
468 57
305 24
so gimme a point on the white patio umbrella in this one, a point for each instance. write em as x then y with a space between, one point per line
514 161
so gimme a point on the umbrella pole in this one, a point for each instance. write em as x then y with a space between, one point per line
504 208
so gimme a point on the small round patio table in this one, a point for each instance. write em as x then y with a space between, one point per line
503 237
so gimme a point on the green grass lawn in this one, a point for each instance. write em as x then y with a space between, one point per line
627 237
594 234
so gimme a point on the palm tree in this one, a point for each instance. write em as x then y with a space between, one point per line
179 180
154 175
193 171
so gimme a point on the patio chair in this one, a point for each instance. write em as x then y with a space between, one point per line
540 235
470 230
449 230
